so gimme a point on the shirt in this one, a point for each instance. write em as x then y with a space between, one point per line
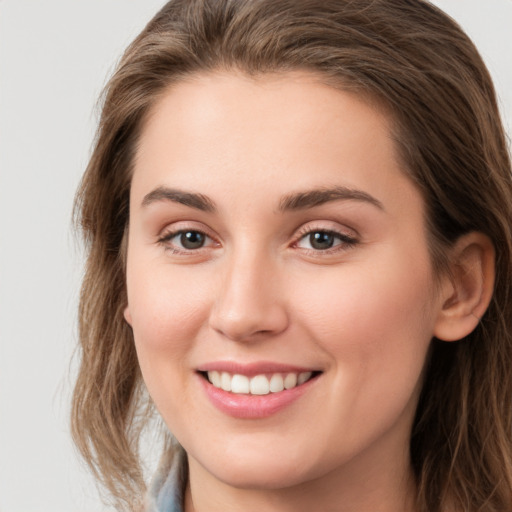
167 490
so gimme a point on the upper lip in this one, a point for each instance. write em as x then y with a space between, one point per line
252 369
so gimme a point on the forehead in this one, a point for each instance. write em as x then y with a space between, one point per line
228 131
274 101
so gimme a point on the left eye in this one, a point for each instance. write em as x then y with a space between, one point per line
323 240
187 239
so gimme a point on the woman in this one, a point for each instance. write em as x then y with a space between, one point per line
298 217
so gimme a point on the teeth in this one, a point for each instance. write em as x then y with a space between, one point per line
303 377
258 385
215 378
225 381
239 384
290 381
276 383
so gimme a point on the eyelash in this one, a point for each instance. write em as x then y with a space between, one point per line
166 238
345 241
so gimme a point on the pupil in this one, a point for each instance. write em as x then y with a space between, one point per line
192 240
321 240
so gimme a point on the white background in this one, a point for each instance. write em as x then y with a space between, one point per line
55 56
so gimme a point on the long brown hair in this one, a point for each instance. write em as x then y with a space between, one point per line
418 64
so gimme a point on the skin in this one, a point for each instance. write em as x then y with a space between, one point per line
362 312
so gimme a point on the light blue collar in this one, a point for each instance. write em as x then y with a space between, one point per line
168 486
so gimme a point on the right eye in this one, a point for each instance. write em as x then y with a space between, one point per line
185 240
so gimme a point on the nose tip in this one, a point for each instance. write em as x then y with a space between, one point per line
249 306
249 325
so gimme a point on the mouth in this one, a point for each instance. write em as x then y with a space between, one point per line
260 384
255 390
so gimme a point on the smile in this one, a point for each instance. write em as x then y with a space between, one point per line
254 391
259 384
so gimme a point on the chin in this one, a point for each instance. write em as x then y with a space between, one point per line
269 477
263 469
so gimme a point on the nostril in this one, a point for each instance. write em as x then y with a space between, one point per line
248 306
249 325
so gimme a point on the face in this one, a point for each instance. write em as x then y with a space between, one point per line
279 282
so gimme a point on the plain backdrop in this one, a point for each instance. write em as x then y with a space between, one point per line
55 56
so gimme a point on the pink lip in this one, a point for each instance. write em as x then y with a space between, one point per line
253 406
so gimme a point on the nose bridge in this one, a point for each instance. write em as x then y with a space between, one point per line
249 302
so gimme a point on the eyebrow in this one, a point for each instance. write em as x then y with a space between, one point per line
292 202
317 197
191 199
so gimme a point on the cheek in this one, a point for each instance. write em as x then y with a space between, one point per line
373 322
376 329
167 311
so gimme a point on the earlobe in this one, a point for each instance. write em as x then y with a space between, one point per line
127 315
468 289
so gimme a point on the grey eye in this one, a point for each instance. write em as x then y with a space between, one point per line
321 240
192 239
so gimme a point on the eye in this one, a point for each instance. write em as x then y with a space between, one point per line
186 240
191 239
323 240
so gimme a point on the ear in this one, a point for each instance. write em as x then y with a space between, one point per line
128 315
467 291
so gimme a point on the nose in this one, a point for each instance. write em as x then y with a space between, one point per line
250 301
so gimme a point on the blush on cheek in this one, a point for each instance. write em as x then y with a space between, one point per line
370 318
167 324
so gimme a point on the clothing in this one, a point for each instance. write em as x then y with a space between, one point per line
167 490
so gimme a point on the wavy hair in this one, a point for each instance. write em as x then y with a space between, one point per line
417 63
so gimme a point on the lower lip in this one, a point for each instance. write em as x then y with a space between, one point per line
253 406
